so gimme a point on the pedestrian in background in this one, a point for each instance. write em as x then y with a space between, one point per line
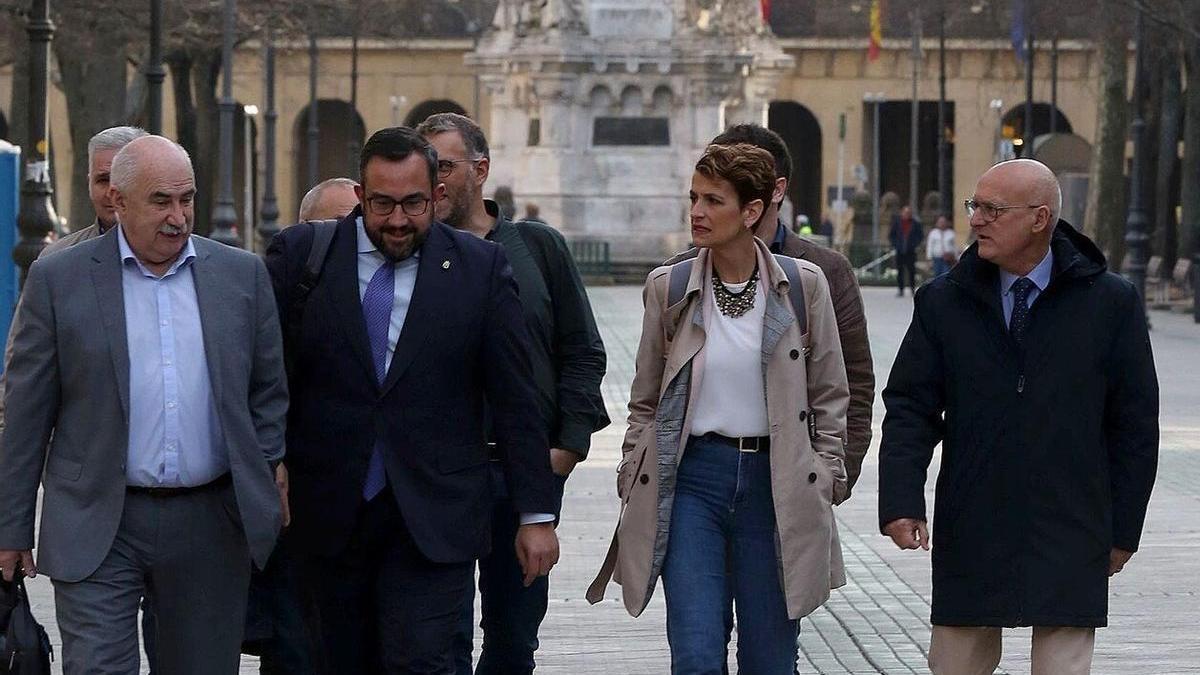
940 247
906 234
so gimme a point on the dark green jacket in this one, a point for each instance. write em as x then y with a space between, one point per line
565 347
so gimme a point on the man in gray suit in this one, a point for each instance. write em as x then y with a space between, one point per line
156 404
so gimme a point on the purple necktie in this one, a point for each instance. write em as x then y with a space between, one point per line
377 310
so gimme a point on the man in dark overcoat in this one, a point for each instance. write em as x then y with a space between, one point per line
1031 364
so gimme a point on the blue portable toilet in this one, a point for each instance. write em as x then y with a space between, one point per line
10 189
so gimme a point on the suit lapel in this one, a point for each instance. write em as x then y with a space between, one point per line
110 299
433 283
210 300
341 275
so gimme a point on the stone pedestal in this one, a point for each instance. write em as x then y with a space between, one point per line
601 108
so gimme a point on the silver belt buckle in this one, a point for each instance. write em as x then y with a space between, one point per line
742 447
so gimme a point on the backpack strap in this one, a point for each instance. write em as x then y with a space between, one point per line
323 231
795 290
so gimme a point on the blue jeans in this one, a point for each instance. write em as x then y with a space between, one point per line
512 613
721 551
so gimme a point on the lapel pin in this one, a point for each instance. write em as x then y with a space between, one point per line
445 264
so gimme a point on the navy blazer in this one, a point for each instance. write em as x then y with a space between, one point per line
463 339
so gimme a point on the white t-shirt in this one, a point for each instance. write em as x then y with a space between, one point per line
732 399
940 242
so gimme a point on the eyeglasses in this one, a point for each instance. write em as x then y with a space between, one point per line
446 166
991 211
382 205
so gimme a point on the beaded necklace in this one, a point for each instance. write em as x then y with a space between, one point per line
734 305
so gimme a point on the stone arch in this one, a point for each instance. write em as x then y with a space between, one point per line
424 109
340 126
802 133
662 100
1012 125
601 99
632 101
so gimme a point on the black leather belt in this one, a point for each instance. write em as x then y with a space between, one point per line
220 482
742 443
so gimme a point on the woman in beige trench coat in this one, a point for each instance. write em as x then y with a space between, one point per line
734 453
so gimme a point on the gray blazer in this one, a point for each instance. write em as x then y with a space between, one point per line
67 400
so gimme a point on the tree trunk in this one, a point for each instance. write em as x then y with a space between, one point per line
179 63
93 82
1105 219
205 73
1189 231
1166 188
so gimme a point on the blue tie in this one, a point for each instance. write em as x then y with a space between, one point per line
377 310
1018 323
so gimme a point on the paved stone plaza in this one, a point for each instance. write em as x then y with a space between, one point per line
879 622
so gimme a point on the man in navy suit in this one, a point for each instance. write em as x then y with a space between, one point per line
409 327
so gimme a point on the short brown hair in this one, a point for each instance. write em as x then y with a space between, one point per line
750 169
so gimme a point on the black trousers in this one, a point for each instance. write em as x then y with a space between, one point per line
906 263
380 606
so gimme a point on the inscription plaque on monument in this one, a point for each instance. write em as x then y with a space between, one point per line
630 19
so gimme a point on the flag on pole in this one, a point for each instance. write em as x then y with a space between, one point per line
766 11
1019 31
876 30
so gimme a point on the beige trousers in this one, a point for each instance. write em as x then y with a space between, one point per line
958 650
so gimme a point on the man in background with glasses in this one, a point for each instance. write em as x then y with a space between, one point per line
568 364
1030 363
409 326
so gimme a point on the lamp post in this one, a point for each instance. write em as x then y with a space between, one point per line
224 215
36 218
154 71
1027 134
314 132
914 157
352 144
248 113
875 99
943 146
997 106
268 225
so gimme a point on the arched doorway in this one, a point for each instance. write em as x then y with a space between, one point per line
1012 125
431 107
341 136
802 134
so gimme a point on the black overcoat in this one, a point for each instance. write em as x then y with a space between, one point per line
1049 451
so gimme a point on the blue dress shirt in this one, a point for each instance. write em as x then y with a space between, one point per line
175 439
1040 276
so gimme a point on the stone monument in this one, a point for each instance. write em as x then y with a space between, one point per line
600 108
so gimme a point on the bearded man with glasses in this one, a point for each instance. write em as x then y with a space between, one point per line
409 326
1030 363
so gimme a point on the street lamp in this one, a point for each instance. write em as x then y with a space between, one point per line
37 217
248 113
224 215
997 106
875 99
268 225
154 70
